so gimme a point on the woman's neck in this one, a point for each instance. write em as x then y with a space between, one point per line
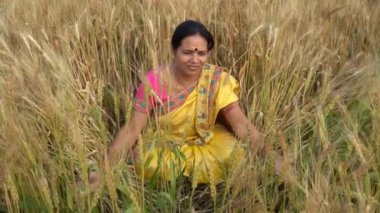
183 80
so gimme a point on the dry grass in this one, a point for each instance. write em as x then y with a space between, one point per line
309 72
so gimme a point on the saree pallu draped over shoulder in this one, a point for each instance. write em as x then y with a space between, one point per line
187 139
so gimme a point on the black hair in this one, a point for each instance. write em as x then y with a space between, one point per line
189 28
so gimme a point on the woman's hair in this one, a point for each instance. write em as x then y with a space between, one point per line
189 28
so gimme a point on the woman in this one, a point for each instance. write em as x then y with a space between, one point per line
189 98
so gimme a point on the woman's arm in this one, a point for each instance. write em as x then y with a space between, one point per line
242 127
125 140
126 137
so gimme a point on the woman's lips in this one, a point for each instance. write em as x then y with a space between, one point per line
193 67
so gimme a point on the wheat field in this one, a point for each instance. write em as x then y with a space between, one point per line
310 81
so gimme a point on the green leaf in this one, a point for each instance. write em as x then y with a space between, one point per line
163 199
130 209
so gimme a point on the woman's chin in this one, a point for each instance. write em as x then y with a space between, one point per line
193 72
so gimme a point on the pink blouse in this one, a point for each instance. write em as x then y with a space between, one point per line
149 91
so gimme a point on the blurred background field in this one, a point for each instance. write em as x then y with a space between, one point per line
309 73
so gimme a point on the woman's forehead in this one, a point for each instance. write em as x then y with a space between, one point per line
194 42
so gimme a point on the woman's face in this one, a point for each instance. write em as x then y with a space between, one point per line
191 55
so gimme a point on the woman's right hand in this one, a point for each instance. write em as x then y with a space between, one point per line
94 180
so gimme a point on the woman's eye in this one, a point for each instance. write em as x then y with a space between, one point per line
202 53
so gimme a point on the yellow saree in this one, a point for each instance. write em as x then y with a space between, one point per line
188 139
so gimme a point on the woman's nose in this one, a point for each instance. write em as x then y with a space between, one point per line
194 57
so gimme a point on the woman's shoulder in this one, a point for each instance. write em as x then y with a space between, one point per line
226 87
220 73
218 69
214 67
156 76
